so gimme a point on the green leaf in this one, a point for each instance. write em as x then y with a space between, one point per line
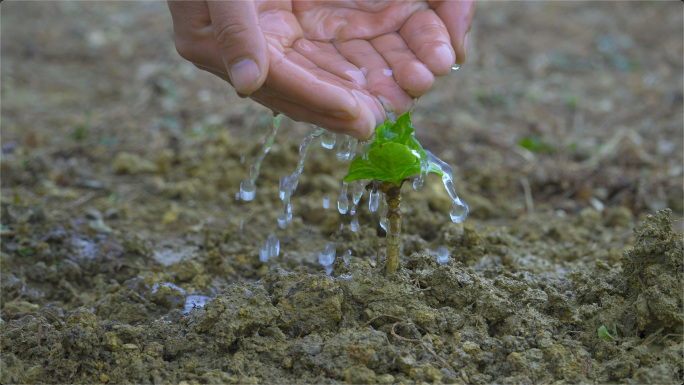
603 332
389 162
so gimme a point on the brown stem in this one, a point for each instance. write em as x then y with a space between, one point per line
393 198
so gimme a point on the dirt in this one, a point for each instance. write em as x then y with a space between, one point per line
126 258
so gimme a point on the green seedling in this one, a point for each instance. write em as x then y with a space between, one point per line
394 155
603 332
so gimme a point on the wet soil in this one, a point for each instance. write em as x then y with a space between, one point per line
126 258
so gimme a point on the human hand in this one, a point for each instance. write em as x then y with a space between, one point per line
336 64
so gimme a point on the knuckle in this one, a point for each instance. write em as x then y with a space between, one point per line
226 31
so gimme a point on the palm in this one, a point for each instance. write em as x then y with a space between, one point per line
325 54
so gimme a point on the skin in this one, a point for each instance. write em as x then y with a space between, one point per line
337 64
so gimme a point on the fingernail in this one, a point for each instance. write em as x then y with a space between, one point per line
465 45
243 74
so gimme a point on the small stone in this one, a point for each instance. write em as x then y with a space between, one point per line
470 347
111 341
127 163
517 361
385 379
130 347
20 307
619 217
432 374
104 378
359 374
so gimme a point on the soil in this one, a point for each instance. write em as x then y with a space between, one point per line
127 259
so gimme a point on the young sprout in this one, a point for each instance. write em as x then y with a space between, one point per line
393 157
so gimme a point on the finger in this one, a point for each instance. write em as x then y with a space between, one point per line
381 83
326 56
241 43
360 127
193 34
292 77
427 36
411 74
457 17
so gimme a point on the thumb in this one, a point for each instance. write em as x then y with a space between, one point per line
241 43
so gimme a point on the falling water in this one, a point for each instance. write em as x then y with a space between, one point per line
248 186
343 200
288 183
328 140
348 148
374 201
459 209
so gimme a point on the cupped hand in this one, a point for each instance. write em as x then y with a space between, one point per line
336 64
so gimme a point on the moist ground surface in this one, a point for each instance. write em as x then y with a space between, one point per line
126 258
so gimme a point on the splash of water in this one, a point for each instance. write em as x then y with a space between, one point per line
354 224
270 249
442 255
248 186
327 257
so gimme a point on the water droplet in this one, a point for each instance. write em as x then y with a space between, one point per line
459 211
347 256
382 211
271 249
455 67
242 224
326 202
343 200
374 201
357 189
354 224
348 148
328 140
442 255
327 257
247 190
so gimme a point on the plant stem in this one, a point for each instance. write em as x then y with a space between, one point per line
393 198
